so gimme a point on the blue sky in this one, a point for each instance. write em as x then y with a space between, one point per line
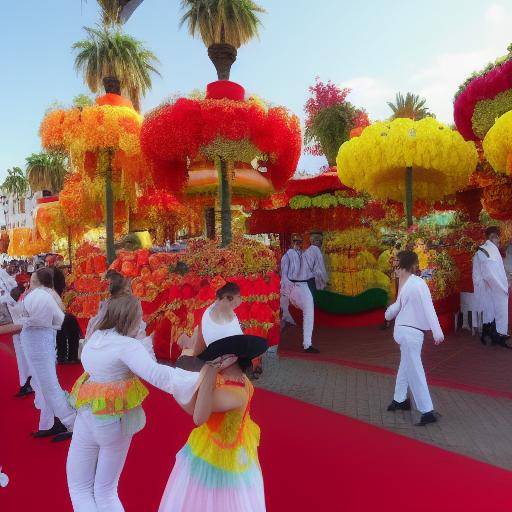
375 47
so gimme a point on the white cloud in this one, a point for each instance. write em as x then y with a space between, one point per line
439 79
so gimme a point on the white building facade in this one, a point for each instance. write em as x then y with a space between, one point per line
19 212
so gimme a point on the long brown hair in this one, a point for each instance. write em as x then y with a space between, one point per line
123 314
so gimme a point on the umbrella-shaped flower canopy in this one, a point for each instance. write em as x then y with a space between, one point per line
103 143
404 158
224 128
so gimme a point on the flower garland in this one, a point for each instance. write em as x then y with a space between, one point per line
375 162
189 129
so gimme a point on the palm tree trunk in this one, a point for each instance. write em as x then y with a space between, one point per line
225 201
209 220
223 56
109 210
408 195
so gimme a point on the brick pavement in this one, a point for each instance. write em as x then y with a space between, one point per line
472 424
461 359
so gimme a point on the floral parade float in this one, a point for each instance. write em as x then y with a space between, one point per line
231 132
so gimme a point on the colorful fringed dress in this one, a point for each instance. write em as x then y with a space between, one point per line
218 469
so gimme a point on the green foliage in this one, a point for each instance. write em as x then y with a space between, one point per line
82 100
331 128
411 106
487 111
327 200
46 171
234 22
107 51
15 183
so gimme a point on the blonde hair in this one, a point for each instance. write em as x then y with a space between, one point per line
123 314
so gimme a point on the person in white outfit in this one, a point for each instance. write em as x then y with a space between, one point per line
21 360
296 271
414 314
41 318
490 285
109 397
316 263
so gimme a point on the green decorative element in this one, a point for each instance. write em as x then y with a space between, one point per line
335 303
358 202
339 198
230 150
225 201
105 161
487 111
324 201
299 202
15 183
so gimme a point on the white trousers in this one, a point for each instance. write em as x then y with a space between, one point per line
23 369
39 347
410 372
96 459
285 304
500 306
301 297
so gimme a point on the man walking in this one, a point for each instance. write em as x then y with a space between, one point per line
491 289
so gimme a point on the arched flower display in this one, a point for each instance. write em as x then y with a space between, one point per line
483 97
404 158
103 143
224 128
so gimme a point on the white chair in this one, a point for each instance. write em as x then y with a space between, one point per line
468 305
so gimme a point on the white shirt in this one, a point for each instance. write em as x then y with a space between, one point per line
414 307
295 267
41 310
315 261
212 331
109 357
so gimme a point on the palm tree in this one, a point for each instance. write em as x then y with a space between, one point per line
15 183
412 106
108 52
117 12
46 171
224 26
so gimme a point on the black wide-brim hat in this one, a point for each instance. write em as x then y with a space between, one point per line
244 346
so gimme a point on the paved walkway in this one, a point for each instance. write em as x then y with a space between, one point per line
472 424
461 359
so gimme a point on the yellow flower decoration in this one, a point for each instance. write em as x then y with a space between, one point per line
498 144
376 161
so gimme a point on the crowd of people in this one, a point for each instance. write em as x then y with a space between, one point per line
218 468
105 407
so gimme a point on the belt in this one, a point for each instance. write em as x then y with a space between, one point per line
299 281
411 327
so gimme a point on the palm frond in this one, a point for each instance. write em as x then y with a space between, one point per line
110 52
234 22
46 171
411 106
15 183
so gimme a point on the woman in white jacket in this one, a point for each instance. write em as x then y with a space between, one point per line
41 316
109 399
414 313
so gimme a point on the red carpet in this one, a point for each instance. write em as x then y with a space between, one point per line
312 460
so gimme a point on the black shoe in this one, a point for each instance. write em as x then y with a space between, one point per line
428 417
24 391
385 325
64 436
58 428
400 406
311 350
